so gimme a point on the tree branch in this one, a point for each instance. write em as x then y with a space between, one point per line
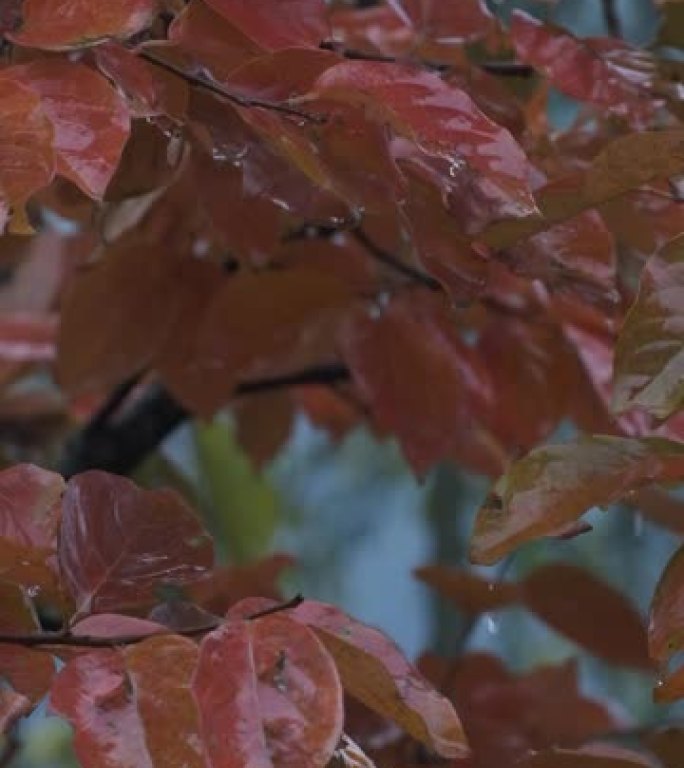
611 18
60 639
120 442
236 98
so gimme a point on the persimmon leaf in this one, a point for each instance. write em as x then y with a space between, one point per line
555 485
118 543
470 592
665 633
649 356
268 695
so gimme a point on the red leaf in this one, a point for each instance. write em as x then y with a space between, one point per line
273 24
590 757
115 625
374 671
78 23
160 670
235 338
441 118
150 90
27 160
665 635
417 375
119 543
602 71
90 120
27 337
669 688
470 592
268 695
447 22
554 485
588 611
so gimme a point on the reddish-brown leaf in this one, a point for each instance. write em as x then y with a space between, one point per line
374 671
554 485
93 693
666 622
470 592
263 424
27 337
649 356
160 670
149 90
268 695
442 118
80 22
506 715
667 744
116 625
27 160
90 120
447 22
273 24
670 687
590 757
595 70
420 380
588 611
206 39
118 543
237 337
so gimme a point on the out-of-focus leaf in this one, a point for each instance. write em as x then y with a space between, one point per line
236 337
268 694
80 22
421 381
118 543
670 687
506 715
671 24
584 758
649 357
588 611
273 24
665 629
263 424
27 337
442 118
243 506
27 160
659 506
90 120
374 671
160 670
12 706
602 71
554 485
471 593
667 744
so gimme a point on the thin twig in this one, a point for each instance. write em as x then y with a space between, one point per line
65 638
612 18
236 98
507 68
384 257
114 401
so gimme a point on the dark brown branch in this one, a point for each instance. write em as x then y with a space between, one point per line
391 261
236 98
60 639
612 18
507 68
119 443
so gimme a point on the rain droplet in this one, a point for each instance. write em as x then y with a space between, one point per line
456 166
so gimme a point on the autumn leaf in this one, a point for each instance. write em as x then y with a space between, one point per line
80 22
470 592
268 694
118 543
554 485
649 356
374 671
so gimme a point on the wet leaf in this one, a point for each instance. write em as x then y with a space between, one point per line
80 22
666 622
588 611
118 543
374 671
442 118
273 24
115 625
470 592
649 356
268 695
554 485
450 23
90 120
